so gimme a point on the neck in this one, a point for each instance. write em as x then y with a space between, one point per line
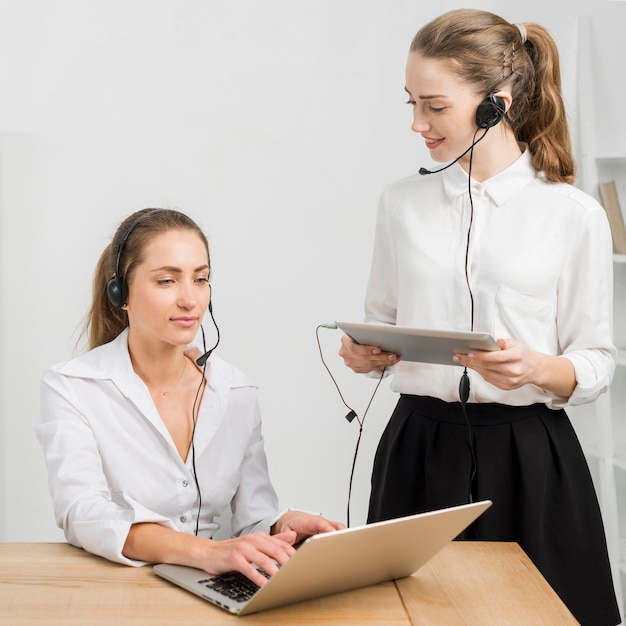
493 155
160 367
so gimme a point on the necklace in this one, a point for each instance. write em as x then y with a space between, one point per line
166 393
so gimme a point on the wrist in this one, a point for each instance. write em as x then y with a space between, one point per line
555 374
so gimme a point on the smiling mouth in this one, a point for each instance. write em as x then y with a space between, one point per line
433 143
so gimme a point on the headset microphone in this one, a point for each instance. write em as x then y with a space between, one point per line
200 361
423 171
489 112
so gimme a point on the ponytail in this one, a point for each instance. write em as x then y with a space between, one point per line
544 122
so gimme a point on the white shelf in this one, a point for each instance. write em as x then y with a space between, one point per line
604 437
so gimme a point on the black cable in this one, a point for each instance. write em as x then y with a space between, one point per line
351 415
194 418
351 412
464 383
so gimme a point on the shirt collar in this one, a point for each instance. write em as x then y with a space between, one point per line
111 361
499 187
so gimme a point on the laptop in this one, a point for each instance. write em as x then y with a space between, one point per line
418 344
336 561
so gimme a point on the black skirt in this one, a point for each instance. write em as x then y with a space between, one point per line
529 462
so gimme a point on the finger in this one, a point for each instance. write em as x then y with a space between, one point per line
287 536
251 572
278 548
322 525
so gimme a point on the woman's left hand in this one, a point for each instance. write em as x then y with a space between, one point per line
516 365
304 524
511 367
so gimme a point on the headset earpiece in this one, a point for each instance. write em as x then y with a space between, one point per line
490 111
117 290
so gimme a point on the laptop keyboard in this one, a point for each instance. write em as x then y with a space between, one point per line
234 585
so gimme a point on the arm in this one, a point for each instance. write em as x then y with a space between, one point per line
380 299
255 492
105 520
516 365
585 362
91 515
158 544
364 359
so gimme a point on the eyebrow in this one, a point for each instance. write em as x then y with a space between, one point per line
172 268
426 97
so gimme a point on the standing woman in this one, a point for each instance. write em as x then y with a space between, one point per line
499 242
146 441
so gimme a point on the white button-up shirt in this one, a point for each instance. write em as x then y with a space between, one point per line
539 266
112 462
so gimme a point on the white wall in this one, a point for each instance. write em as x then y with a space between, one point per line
275 125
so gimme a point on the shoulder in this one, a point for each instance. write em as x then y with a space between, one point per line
579 216
409 186
99 362
225 373
568 196
413 193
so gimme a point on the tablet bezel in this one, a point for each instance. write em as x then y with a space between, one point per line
418 344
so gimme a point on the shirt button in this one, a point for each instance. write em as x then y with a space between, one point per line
185 483
183 518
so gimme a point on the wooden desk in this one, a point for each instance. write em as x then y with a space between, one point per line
466 583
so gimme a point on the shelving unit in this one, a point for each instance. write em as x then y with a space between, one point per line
601 427
618 407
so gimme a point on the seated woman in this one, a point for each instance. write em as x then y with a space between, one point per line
145 441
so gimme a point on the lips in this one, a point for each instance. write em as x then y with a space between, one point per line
184 322
431 144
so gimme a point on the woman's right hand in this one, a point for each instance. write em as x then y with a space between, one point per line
364 359
242 554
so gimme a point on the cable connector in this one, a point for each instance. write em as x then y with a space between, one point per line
351 415
330 326
464 387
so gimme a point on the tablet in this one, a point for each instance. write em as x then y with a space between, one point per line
417 344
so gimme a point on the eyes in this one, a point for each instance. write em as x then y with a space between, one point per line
428 107
167 281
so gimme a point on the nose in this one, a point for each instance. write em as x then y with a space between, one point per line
186 296
420 124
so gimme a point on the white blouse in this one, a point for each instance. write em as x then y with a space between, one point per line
112 462
540 270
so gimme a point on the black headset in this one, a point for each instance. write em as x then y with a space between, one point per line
117 289
490 111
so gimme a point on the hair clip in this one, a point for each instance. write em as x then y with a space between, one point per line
522 31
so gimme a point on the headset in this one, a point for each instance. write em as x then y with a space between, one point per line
488 114
117 289
490 111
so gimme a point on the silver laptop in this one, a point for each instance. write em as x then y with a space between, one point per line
334 562
418 344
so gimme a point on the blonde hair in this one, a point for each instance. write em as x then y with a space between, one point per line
489 53
104 321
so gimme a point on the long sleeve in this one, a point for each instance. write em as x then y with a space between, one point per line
525 259
90 514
